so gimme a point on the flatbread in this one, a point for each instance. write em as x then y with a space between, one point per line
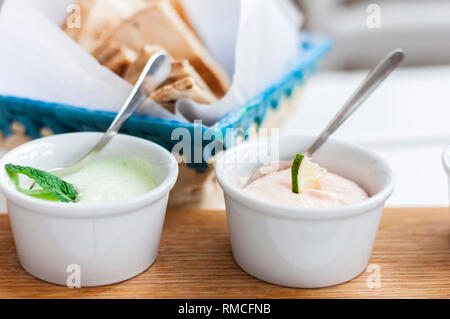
121 60
178 6
160 24
185 88
183 81
99 18
85 7
181 68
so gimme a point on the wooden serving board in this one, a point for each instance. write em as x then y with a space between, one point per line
412 250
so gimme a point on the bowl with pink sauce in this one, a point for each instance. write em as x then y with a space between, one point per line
319 237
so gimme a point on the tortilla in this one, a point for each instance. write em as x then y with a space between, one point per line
185 88
121 61
99 18
160 24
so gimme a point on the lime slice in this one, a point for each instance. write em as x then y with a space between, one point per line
294 172
305 174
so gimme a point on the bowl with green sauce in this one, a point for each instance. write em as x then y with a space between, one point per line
98 226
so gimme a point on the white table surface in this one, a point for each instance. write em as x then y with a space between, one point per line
406 121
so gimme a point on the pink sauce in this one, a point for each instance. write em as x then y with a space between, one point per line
334 190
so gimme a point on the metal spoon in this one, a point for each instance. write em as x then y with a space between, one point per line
154 73
385 67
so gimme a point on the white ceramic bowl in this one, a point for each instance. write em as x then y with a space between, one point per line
446 162
108 242
299 247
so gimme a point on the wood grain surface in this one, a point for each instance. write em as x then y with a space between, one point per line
412 250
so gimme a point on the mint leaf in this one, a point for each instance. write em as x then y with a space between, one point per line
53 187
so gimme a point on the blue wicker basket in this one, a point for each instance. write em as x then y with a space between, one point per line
60 118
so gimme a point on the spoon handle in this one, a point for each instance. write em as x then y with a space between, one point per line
154 73
151 76
156 70
389 63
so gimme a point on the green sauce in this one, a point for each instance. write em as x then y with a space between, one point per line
112 180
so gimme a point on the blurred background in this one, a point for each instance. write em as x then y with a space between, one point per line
420 27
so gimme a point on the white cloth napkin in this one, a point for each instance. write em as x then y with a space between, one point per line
255 40
40 62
